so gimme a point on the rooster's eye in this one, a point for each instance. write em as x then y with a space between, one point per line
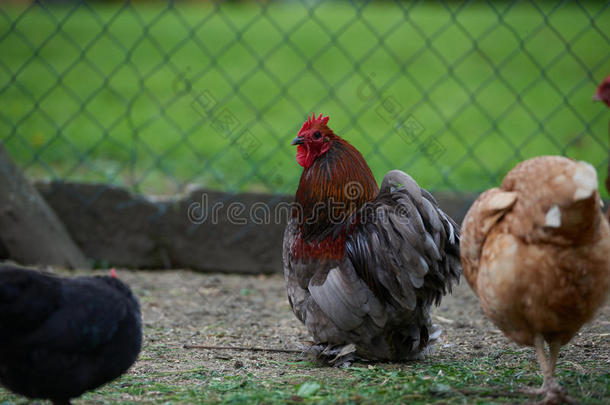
317 135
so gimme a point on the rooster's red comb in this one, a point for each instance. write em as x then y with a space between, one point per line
313 120
113 272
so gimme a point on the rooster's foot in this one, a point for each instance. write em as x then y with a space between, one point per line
334 355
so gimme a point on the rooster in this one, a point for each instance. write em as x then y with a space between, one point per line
363 265
536 251
60 337
603 94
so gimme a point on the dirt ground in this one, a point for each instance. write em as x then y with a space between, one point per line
184 308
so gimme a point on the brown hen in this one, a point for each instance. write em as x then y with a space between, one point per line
536 251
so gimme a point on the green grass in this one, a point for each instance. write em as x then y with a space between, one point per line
480 380
104 93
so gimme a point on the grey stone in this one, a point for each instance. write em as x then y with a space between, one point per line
230 234
30 232
115 227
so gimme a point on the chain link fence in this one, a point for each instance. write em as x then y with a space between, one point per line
156 96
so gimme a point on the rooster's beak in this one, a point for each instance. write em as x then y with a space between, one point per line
596 97
298 141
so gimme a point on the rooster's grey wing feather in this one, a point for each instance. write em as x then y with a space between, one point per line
345 298
405 245
333 302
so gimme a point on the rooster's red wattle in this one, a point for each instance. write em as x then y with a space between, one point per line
363 265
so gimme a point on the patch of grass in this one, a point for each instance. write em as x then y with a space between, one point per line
481 380
111 93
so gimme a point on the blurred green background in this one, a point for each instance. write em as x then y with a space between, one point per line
155 96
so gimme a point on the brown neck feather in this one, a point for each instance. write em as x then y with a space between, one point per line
331 189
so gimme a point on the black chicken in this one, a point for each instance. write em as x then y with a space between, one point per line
61 337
